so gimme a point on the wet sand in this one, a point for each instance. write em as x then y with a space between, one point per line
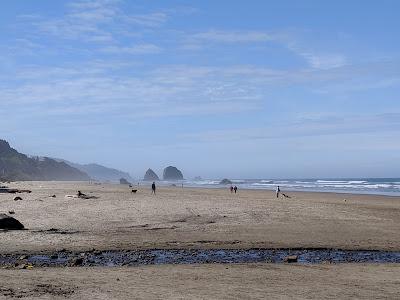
195 218
248 281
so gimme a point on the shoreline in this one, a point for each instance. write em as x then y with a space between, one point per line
190 184
169 184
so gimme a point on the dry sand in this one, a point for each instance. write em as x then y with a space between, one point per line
199 218
196 218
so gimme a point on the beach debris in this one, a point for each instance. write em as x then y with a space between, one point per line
291 259
52 196
10 223
80 195
25 266
17 198
76 262
11 212
88 197
14 191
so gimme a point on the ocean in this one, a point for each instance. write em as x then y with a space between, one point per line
378 186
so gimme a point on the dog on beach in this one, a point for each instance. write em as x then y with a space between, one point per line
134 191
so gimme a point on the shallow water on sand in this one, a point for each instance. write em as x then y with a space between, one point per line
158 257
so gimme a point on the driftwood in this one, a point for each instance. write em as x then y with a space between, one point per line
13 191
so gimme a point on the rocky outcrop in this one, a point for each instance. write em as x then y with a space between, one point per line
225 181
172 173
150 176
9 223
16 166
124 181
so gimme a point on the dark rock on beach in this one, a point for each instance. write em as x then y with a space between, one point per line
172 173
10 223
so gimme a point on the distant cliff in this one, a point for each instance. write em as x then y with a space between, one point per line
101 173
15 166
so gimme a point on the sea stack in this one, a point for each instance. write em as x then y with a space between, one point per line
124 181
150 176
225 181
172 173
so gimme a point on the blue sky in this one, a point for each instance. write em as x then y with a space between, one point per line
238 89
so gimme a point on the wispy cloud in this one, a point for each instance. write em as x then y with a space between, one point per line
118 88
150 20
317 60
234 36
326 125
288 40
100 21
136 49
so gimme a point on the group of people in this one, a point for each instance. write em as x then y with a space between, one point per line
233 189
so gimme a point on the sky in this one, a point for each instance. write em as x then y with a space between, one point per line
237 89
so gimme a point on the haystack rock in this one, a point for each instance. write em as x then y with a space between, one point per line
225 181
172 173
150 176
9 223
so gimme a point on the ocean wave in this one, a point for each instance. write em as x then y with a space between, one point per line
373 186
207 182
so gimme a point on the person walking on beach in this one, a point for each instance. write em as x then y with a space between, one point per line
235 189
153 188
231 188
278 190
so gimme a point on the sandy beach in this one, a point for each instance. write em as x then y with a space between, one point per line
195 218
183 218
